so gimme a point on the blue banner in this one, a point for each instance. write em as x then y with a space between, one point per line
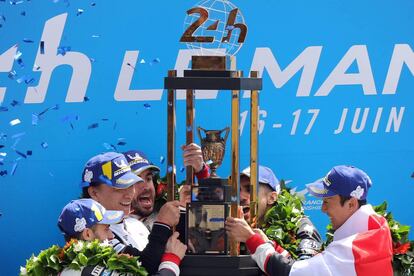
81 77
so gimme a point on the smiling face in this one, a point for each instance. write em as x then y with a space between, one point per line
338 213
143 203
113 198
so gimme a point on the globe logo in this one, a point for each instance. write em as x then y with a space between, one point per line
214 27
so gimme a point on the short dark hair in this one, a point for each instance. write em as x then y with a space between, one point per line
85 192
343 199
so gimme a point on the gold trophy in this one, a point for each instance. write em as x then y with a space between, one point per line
213 147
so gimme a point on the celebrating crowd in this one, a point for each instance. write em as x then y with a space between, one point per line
117 209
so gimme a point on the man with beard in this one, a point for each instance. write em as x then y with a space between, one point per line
143 204
362 243
107 178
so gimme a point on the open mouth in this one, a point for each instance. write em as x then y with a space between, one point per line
145 202
125 203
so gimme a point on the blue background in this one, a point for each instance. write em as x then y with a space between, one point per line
31 199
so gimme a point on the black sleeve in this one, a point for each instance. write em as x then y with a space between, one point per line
151 256
165 272
101 271
180 228
311 242
278 265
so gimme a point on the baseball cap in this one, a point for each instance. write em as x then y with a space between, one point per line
110 168
139 162
342 180
85 213
266 176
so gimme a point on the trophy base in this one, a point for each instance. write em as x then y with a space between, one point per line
207 265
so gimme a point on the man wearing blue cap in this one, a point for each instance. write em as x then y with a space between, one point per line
86 219
268 192
362 243
108 179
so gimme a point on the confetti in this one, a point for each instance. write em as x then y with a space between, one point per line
18 135
12 75
3 108
109 146
95 36
182 169
121 142
93 4
162 159
29 153
44 145
209 162
1 146
92 59
35 119
18 55
3 136
21 154
105 119
69 118
169 169
156 60
4 154
14 103
114 127
79 12
129 64
229 27
23 13
2 173
20 62
94 125
42 47
55 107
14 2
142 61
1 162
147 106
189 128
63 49
85 99
27 40
13 170
15 122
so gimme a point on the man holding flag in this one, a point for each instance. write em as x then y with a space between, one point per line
362 243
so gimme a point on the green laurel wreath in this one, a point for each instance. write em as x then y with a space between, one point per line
403 248
77 254
281 220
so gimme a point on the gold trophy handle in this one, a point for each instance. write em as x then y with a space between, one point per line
227 129
199 133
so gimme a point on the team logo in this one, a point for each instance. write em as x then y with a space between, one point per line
88 175
357 193
80 224
214 25
121 163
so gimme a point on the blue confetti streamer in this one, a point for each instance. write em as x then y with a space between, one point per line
94 125
21 154
156 60
27 40
1 146
79 12
55 107
182 169
162 159
189 128
169 169
23 13
29 153
13 170
15 2
2 173
3 108
14 103
85 99
35 119
12 75
18 135
147 106
63 49
44 145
